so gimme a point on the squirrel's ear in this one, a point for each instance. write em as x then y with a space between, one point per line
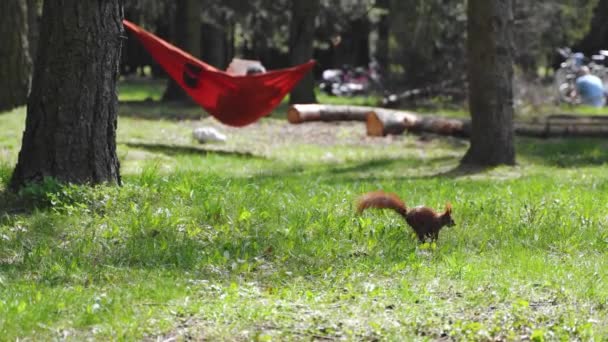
448 208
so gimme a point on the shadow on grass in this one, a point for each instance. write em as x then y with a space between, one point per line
565 152
461 170
376 170
10 204
176 111
380 165
172 150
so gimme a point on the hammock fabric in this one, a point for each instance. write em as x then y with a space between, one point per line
233 100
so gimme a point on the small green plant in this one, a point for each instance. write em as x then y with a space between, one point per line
50 193
41 193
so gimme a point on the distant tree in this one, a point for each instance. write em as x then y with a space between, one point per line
187 36
148 13
301 39
597 37
70 131
215 42
541 26
383 29
490 73
15 59
428 41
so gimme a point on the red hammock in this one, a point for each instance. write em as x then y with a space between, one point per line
233 100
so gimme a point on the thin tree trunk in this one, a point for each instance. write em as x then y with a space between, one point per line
360 38
383 28
15 59
301 38
187 37
70 131
490 72
214 43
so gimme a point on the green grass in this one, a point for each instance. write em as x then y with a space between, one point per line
141 89
585 110
256 239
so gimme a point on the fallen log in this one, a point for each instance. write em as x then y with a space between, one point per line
560 128
383 122
555 126
318 112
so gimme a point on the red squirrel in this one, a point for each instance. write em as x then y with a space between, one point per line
425 221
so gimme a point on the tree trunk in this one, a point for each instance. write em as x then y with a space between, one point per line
597 37
301 38
360 29
187 37
490 72
214 43
383 29
15 59
34 9
70 131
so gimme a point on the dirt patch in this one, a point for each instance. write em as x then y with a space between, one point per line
315 133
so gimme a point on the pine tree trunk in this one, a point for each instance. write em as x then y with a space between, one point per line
490 72
70 131
187 37
15 59
301 38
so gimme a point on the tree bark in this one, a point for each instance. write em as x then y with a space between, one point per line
70 131
187 33
15 59
301 38
490 72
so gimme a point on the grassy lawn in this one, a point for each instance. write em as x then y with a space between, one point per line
256 239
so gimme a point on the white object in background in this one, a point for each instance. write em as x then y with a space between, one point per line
208 134
241 67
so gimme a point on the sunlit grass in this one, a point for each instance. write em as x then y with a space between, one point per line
141 89
256 239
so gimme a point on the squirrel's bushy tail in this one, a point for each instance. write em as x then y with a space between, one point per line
380 200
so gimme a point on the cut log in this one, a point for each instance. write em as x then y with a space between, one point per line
317 112
380 121
384 122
